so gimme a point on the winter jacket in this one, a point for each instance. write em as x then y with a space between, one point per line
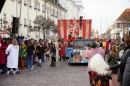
112 60
126 75
53 50
122 64
30 50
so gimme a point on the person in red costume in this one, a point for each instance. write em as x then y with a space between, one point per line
62 47
3 57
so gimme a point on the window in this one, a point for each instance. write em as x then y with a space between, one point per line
43 8
25 2
29 2
4 17
51 11
35 5
47 10
12 19
29 22
24 21
38 5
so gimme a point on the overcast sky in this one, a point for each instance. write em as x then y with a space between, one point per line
103 12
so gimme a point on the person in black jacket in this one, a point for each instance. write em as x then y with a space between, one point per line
123 61
40 50
30 49
53 54
126 75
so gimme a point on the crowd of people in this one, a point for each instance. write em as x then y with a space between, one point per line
20 53
109 62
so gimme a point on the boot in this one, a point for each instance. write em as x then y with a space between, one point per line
64 58
54 64
51 63
60 58
40 65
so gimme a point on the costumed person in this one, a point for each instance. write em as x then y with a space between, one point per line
70 40
40 50
53 54
12 59
22 54
3 57
99 76
89 53
57 49
62 47
47 50
112 59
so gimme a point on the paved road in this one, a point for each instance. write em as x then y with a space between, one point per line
62 75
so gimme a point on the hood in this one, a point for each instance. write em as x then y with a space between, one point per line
98 65
16 47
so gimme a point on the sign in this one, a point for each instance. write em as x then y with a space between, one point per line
65 27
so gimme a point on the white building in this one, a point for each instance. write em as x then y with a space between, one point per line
27 10
120 26
74 8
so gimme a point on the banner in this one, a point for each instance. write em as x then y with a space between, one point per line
65 27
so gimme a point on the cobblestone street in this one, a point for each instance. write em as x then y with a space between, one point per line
62 75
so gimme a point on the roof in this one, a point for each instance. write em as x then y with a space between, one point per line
124 15
57 4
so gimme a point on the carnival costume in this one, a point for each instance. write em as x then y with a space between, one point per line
23 55
62 52
99 76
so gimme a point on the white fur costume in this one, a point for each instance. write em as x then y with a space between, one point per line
98 65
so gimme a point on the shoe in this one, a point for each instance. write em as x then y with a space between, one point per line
0 70
40 65
8 72
32 68
18 72
14 73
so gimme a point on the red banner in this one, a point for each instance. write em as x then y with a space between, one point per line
73 26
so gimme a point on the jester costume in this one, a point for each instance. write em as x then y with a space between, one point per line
23 55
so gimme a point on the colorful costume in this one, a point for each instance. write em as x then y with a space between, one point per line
23 55
62 47
99 76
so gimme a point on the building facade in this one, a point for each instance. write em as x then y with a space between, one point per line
74 8
120 27
26 11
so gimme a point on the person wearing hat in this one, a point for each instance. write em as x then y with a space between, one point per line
89 53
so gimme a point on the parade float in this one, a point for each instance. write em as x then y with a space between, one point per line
76 34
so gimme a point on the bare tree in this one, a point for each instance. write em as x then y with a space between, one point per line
42 24
55 29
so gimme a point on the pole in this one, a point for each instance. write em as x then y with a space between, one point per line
106 26
100 25
20 18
